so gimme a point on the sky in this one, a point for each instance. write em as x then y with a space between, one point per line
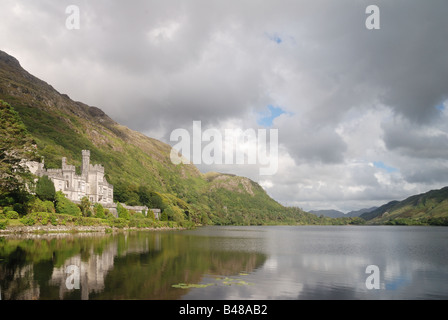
361 114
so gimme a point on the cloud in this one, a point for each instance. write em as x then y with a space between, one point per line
348 96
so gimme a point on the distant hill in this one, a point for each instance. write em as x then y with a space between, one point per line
358 213
331 213
426 208
328 213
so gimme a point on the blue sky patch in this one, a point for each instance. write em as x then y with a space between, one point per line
275 37
265 118
440 107
381 165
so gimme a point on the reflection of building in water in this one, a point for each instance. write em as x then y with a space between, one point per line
21 284
20 287
94 271
91 272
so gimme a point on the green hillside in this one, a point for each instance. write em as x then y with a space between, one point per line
426 208
139 167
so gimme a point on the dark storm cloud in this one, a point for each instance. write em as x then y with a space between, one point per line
411 141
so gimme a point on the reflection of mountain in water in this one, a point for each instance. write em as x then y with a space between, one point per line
121 266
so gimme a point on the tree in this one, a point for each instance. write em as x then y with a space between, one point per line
99 211
45 190
122 212
85 207
16 146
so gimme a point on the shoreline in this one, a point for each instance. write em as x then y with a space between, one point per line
49 229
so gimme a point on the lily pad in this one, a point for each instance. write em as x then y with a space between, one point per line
191 285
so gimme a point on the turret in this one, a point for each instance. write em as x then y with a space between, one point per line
85 163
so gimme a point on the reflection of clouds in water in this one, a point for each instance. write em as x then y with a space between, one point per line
271 264
311 264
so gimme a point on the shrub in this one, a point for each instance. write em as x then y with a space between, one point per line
12 215
53 220
118 222
85 207
174 214
138 215
122 212
150 214
28 220
49 207
99 211
37 205
20 208
3 224
65 206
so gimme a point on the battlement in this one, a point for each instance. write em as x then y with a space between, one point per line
69 168
97 168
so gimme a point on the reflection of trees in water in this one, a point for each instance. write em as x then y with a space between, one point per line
140 265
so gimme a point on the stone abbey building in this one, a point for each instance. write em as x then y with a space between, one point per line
91 183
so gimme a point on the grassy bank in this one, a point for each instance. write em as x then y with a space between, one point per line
54 222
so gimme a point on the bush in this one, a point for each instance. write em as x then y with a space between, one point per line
65 206
12 215
122 212
118 222
150 214
138 215
20 208
3 224
28 220
49 207
174 214
85 207
99 211
53 220
6 209
37 205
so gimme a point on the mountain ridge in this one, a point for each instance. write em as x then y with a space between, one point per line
430 207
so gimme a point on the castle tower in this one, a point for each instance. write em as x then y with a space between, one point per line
85 163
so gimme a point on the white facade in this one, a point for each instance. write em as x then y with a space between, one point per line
91 183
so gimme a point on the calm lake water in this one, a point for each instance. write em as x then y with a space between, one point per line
275 262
